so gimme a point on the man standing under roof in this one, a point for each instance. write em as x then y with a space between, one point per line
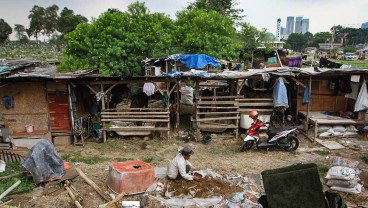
179 167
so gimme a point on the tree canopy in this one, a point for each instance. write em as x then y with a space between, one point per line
224 7
202 31
116 42
5 31
36 25
68 21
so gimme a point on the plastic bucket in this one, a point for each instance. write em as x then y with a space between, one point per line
29 128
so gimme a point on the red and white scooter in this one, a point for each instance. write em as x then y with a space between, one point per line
283 138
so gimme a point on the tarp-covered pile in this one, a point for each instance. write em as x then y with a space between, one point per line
43 162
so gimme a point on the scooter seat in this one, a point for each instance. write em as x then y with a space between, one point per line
271 133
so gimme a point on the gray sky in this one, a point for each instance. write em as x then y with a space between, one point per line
323 14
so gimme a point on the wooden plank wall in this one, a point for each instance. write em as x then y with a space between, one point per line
322 99
30 106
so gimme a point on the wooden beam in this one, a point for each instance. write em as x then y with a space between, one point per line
308 105
240 87
93 185
298 82
110 88
134 120
90 88
174 87
278 58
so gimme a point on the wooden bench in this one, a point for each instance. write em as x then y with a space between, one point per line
217 112
159 117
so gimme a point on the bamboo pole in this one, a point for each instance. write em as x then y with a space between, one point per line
10 189
76 202
94 186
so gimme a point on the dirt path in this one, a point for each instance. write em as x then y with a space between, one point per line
221 155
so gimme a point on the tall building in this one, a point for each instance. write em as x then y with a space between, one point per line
289 25
365 25
298 24
305 26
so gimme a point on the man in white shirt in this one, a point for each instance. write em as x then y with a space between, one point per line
179 167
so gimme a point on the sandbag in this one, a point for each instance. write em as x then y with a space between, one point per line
341 129
343 184
322 129
339 161
341 173
355 190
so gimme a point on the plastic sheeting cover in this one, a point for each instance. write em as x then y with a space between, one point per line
43 162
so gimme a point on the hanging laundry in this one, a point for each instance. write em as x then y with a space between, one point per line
149 88
362 101
280 97
354 91
306 95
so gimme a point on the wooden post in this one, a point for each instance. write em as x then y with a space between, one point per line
166 66
94 186
103 108
308 104
177 105
76 202
278 57
72 115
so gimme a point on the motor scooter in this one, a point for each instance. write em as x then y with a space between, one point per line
282 138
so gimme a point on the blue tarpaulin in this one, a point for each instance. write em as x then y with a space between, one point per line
197 61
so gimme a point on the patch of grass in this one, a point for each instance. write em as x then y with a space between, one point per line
322 168
294 152
365 159
148 159
322 152
356 63
26 184
122 159
76 157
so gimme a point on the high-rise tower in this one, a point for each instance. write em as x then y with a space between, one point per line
289 25
298 24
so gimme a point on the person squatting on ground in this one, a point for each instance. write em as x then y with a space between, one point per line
179 167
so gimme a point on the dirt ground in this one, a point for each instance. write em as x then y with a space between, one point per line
222 155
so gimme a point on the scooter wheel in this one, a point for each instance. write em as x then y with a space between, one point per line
294 143
246 145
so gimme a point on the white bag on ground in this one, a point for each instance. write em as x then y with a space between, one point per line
340 161
322 129
343 184
186 95
355 190
341 129
341 173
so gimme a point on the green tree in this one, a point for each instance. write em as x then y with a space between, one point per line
224 7
51 17
297 41
321 37
309 39
68 21
202 31
117 42
252 39
37 18
20 30
5 31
